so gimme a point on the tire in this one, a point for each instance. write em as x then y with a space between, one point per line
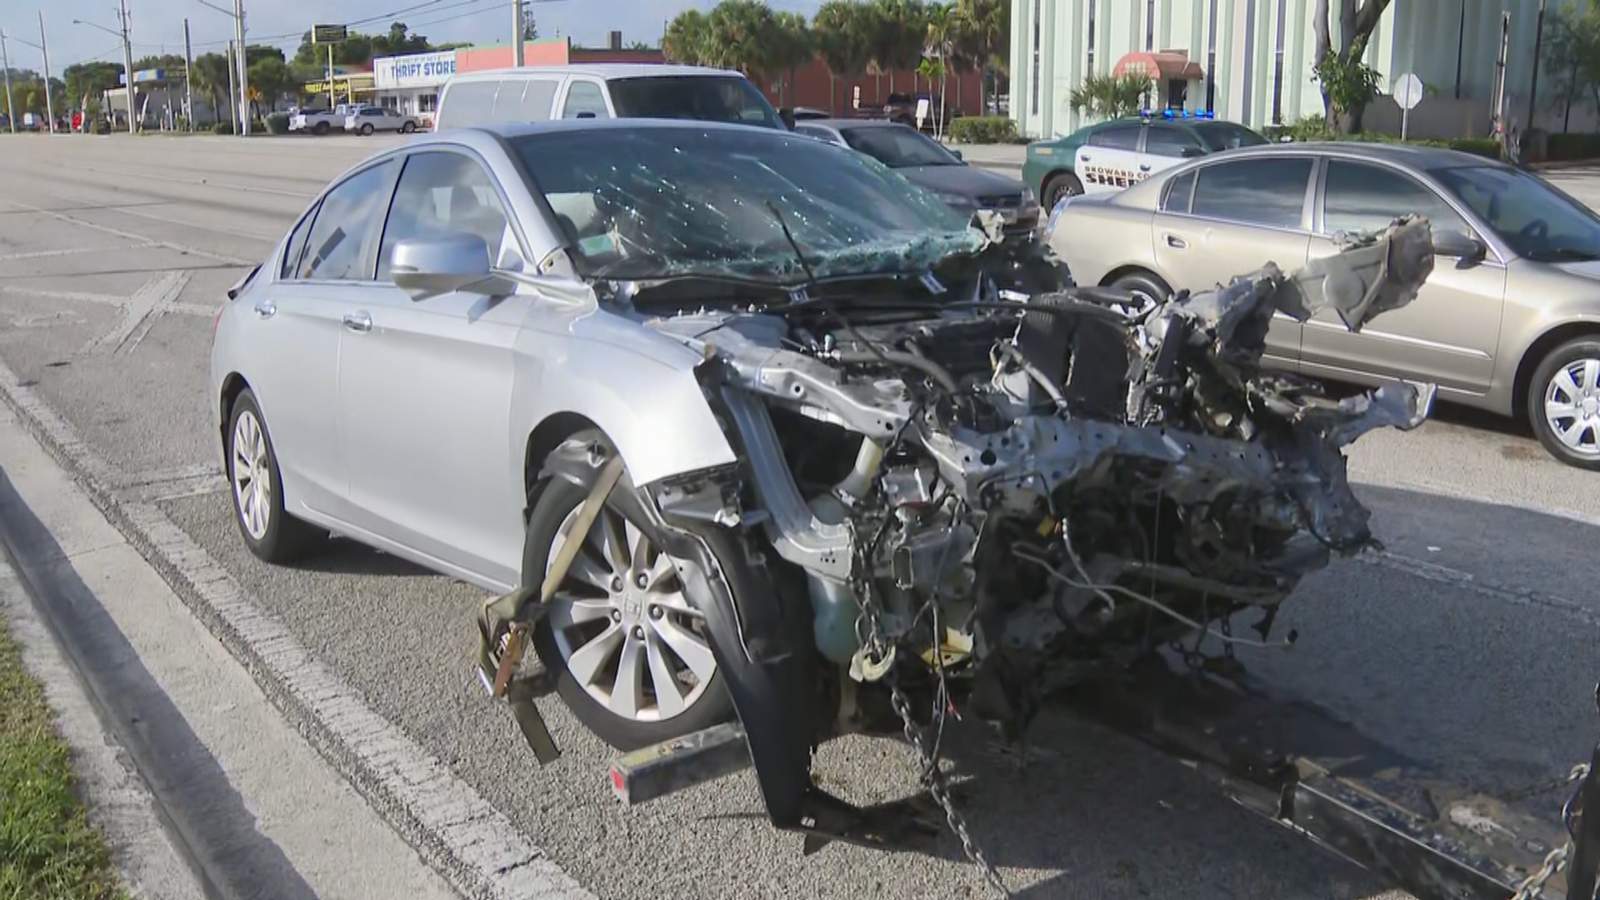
366 129
321 128
619 625
1057 186
407 128
1149 289
270 532
1564 403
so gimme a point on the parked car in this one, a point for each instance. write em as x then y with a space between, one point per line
1111 155
728 393
805 113
618 90
367 119
319 121
1509 321
928 163
902 108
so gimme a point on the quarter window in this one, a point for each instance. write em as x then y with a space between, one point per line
1257 192
585 97
296 246
1117 137
337 247
1179 191
439 194
1360 197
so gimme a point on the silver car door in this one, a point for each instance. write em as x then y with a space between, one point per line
1109 160
297 347
1449 334
1236 217
425 385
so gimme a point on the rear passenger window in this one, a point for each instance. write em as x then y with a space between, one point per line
525 101
584 100
296 245
1179 191
1117 137
1168 140
1269 192
343 230
468 103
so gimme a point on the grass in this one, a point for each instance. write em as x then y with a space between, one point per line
48 849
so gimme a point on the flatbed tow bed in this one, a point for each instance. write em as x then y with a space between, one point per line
1295 765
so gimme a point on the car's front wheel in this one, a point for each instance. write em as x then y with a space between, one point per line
408 127
1564 403
321 128
257 488
366 129
631 654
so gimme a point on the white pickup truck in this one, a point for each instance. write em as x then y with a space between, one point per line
320 121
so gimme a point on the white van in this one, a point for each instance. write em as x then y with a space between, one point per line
605 91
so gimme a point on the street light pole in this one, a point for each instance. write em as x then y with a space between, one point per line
244 67
188 76
516 33
1538 42
127 63
44 47
5 60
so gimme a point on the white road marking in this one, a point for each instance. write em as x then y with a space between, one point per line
1467 581
84 296
64 251
473 844
139 314
130 235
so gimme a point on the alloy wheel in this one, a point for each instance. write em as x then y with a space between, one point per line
1572 406
624 628
252 478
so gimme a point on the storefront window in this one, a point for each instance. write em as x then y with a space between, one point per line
427 103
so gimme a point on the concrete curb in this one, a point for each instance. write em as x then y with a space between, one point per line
459 833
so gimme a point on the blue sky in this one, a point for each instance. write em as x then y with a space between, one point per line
158 24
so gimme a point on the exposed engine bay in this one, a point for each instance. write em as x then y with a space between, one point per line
979 491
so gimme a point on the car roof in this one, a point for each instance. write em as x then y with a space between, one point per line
837 124
605 71
562 126
1416 156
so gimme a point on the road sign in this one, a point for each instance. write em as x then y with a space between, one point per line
1407 91
328 34
922 111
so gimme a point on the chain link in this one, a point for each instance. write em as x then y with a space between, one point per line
933 776
1532 887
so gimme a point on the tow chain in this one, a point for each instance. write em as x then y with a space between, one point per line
1532 887
933 777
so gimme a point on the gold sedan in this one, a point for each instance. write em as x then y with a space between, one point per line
1509 321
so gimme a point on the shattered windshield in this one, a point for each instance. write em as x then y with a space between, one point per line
1535 220
660 202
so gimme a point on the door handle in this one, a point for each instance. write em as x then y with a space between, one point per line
1083 159
1176 243
359 322
266 309
1144 167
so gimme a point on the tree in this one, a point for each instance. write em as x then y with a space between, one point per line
790 46
90 79
1348 84
1571 56
739 35
1110 96
984 35
271 77
943 25
211 76
685 38
840 31
897 29
401 40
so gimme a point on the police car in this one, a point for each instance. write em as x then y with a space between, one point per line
1111 155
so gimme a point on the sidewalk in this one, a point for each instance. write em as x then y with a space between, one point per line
1006 158
247 807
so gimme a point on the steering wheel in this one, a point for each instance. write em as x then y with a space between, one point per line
1537 230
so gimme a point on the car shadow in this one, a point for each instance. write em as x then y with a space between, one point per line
343 556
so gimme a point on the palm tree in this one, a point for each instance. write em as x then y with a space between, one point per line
986 28
941 32
685 38
840 31
739 36
791 46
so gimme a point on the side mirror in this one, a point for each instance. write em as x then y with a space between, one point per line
957 154
427 267
787 115
1459 244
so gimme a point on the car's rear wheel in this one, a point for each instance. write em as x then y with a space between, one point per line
1564 403
1145 287
257 488
631 654
407 128
366 129
1058 187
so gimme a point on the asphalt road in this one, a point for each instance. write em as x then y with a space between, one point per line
1468 645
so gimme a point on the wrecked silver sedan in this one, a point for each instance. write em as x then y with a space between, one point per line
739 424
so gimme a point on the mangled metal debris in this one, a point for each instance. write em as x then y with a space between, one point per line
943 493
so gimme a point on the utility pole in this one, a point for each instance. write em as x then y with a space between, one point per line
516 33
244 78
233 96
188 76
127 62
5 60
1538 41
44 47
